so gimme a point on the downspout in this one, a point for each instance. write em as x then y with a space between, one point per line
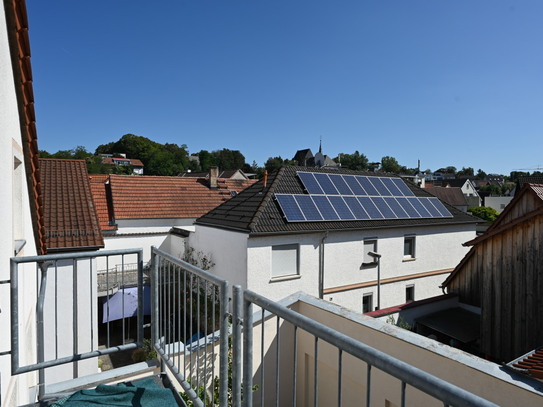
321 266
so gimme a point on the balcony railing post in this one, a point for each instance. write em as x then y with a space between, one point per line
248 353
223 345
140 298
236 345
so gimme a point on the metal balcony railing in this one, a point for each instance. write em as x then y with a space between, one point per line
223 345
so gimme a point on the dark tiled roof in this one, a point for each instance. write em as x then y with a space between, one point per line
453 196
256 211
70 217
137 197
532 179
19 43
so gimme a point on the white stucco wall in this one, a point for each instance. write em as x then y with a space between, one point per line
498 202
16 222
227 249
151 225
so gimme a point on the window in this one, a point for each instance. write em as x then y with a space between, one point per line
284 260
410 293
370 245
367 302
409 247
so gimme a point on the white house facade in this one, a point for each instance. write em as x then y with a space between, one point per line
252 243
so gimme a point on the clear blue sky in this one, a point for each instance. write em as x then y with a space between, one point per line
447 82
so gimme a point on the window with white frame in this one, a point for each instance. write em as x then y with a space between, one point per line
370 245
285 260
409 247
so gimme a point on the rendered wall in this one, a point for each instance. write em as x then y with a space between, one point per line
437 249
16 222
226 249
476 375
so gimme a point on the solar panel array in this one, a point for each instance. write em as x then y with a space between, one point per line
334 197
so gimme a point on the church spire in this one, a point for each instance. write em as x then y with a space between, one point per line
320 146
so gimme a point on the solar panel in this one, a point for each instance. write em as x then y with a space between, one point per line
419 207
333 197
379 186
308 207
356 208
341 208
367 185
396 207
290 208
325 183
310 183
391 186
325 207
340 184
407 207
354 185
402 187
370 207
440 207
430 207
383 207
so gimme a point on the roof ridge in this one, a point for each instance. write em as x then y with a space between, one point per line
265 199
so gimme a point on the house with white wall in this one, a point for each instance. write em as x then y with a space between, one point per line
284 234
144 211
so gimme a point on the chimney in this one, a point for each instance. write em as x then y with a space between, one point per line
213 177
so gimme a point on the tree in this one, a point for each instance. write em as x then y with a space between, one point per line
480 174
227 159
206 160
484 212
274 163
465 172
390 164
355 161
448 170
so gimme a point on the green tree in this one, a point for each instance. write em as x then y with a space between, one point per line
484 212
274 163
480 174
227 159
355 161
206 160
465 172
390 164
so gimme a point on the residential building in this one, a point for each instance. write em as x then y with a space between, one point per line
453 196
157 211
135 164
254 243
502 275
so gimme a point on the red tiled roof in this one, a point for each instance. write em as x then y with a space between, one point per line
531 363
136 197
70 217
17 27
99 190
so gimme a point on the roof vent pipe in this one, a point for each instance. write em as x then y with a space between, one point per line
213 177
265 178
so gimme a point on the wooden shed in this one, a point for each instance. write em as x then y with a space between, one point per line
503 275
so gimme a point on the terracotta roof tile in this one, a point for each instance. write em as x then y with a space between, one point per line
134 197
17 23
530 364
70 216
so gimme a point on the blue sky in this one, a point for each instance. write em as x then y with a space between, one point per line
447 82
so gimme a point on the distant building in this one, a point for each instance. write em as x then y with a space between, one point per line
137 165
305 158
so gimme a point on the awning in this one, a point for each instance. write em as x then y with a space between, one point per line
456 323
124 303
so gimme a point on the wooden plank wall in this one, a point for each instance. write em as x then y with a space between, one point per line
504 276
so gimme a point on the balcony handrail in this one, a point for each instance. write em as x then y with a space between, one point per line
408 374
